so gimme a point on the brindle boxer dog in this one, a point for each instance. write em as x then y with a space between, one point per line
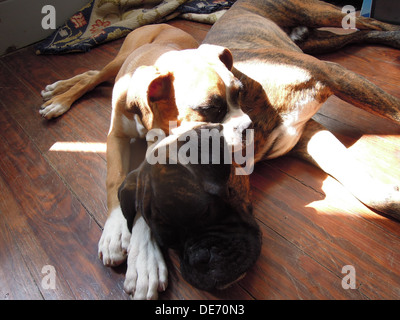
282 88
200 208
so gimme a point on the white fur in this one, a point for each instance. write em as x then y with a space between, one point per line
299 33
334 158
47 93
282 75
289 132
114 242
54 110
133 128
141 130
147 272
234 126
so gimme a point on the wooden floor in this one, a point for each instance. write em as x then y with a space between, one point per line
53 201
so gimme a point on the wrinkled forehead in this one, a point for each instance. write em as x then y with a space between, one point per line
177 190
197 84
193 71
191 58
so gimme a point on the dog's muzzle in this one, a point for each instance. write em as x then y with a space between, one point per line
219 259
237 130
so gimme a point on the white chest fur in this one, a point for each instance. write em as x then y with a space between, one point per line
285 136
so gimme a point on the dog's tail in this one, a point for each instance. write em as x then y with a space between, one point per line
361 92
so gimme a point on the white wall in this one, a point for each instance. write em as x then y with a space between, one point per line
21 20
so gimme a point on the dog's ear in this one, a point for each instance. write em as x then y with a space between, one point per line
226 57
127 197
143 191
222 53
161 100
134 195
160 88
149 93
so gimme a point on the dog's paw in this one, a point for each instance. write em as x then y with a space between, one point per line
53 89
389 201
383 198
147 272
57 103
55 107
114 242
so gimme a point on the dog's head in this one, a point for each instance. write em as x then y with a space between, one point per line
187 86
200 210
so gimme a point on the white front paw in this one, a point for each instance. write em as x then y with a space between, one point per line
147 272
114 242
54 108
48 92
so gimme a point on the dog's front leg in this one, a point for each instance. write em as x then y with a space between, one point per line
147 272
321 148
114 242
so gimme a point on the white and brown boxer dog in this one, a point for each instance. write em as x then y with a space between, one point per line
160 76
282 88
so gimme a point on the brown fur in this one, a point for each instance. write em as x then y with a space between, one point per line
283 87
269 98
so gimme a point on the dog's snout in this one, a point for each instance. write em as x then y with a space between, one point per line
239 122
244 123
236 129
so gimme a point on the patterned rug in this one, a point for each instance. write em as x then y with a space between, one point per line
105 20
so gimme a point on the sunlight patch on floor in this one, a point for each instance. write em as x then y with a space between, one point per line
339 202
94 147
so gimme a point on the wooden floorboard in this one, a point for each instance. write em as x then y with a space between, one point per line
47 222
53 203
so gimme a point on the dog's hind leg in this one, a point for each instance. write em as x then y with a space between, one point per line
314 41
321 148
62 94
360 92
317 14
